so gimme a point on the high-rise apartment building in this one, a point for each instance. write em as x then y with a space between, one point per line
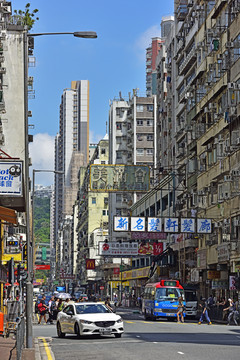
71 145
151 55
132 139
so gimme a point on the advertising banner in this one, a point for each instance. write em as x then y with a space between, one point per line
114 178
11 178
129 249
42 267
90 264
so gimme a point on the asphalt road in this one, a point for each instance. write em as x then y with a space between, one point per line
149 340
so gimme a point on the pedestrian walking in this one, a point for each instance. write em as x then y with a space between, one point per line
180 309
205 308
42 307
51 305
233 313
107 304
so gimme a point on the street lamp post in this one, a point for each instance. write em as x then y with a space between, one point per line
29 284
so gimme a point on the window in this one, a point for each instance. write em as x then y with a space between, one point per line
139 137
103 162
118 140
103 151
149 122
139 108
119 126
119 155
140 152
94 200
149 151
118 198
149 137
149 107
105 212
139 122
118 212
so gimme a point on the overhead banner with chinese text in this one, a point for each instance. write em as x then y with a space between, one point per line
114 178
166 225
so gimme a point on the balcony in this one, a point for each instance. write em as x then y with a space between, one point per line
188 61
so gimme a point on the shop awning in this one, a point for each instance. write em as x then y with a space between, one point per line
8 215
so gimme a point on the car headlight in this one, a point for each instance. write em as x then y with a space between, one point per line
119 320
85 322
157 310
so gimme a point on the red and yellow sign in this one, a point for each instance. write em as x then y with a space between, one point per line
90 264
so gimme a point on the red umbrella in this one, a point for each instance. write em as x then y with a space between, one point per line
16 283
7 284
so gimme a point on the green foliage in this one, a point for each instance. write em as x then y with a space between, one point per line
27 16
42 220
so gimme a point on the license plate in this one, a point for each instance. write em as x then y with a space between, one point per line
170 314
106 331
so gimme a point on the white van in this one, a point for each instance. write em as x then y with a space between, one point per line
191 302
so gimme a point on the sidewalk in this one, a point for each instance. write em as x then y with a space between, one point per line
7 345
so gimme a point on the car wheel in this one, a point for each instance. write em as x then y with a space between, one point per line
118 335
59 331
77 331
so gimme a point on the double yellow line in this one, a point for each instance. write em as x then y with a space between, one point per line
47 349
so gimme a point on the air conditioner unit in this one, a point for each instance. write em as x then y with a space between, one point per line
225 195
125 200
227 149
227 178
215 116
235 172
206 109
231 85
229 44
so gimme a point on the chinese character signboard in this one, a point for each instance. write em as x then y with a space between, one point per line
90 264
154 224
232 283
188 225
121 223
118 249
114 178
11 178
137 224
204 226
171 225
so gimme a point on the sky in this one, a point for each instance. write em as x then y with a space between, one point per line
113 62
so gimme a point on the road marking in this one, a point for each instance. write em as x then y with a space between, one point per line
137 336
48 352
155 342
147 322
181 353
129 322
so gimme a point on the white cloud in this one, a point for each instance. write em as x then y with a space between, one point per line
42 155
145 39
94 138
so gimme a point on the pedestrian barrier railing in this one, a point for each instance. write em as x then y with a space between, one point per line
20 335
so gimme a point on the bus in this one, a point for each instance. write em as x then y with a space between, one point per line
161 300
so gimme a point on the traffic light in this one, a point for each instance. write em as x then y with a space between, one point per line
21 273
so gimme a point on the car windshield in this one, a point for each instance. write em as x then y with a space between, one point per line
168 294
190 296
91 309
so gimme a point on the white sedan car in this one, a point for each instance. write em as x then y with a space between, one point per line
88 318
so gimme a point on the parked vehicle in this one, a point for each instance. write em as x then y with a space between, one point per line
88 318
191 302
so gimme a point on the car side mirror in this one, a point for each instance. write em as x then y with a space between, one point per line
70 313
